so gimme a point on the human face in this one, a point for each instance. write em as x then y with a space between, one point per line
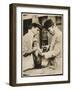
51 30
35 30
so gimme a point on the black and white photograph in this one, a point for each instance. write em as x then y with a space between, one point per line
42 44
39 44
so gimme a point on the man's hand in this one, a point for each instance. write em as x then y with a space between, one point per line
47 55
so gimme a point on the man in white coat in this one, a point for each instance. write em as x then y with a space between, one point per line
27 49
54 55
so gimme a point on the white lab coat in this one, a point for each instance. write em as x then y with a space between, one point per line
56 43
55 46
27 62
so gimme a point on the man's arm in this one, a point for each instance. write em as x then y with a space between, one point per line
29 52
51 54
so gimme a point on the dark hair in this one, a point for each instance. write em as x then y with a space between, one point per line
37 25
48 23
